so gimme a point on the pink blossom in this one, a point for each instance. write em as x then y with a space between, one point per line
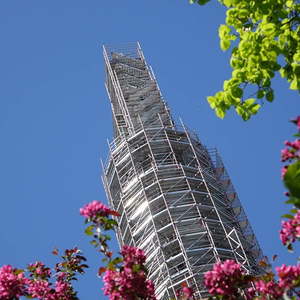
130 281
250 293
288 275
11 284
40 270
63 290
61 287
38 288
269 288
185 292
41 289
61 276
224 278
127 285
286 154
96 209
290 230
295 144
283 171
133 255
292 152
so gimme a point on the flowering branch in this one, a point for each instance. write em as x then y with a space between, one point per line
35 281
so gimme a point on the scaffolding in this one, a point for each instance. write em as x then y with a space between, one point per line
175 197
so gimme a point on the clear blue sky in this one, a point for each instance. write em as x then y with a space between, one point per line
55 117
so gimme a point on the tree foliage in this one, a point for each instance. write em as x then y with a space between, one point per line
264 38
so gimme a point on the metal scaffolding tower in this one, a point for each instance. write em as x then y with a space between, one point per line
174 195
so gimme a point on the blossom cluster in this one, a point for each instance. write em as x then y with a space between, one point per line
37 284
12 283
270 289
227 279
185 292
289 276
292 152
290 230
39 270
132 256
224 279
94 209
288 279
129 281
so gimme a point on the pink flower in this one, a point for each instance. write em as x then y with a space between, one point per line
63 290
61 287
127 285
286 154
41 289
250 293
96 209
130 281
288 275
269 288
292 152
11 284
61 276
295 144
40 270
224 278
185 292
290 230
38 288
133 255
283 171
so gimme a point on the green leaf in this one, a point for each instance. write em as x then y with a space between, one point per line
18 271
212 101
117 260
260 94
236 92
89 230
267 82
294 201
249 101
220 113
111 266
294 84
136 268
228 3
94 243
289 3
255 108
224 30
239 110
288 216
202 2
268 29
270 96
292 179
107 237
225 44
